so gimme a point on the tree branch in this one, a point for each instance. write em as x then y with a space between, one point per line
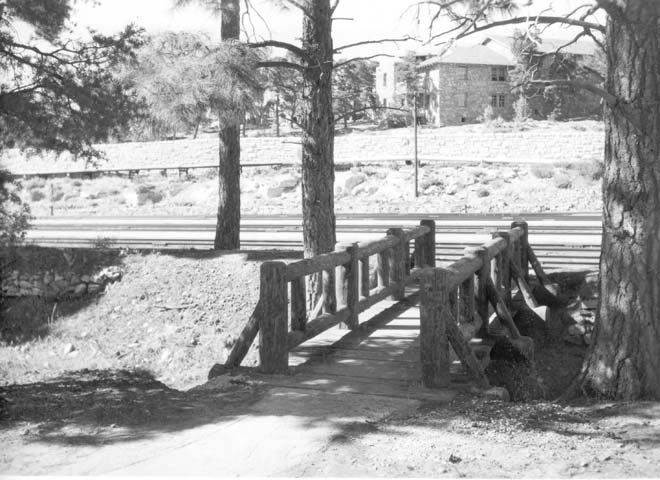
372 42
299 52
544 19
280 64
344 63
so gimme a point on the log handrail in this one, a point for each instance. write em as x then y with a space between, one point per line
484 276
349 296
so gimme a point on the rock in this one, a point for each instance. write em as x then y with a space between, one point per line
588 338
573 340
80 289
165 356
68 348
354 180
498 393
24 284
274 192
576 330
85 279
48 278
289 185
94 287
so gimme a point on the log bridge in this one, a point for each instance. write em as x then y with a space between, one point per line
464 307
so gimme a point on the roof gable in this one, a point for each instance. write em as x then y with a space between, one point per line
473 55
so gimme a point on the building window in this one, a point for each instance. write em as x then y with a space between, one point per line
463 69
384 79
385 102
465 99
498 74
498 101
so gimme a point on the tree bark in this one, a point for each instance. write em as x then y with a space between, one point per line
317 139
624 359
228 226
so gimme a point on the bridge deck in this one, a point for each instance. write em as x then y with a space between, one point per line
380 358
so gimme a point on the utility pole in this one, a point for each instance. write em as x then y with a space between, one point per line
415 145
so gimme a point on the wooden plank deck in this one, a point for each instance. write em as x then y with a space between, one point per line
382 357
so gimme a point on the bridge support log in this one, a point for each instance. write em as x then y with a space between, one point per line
434 348
273 324
501 309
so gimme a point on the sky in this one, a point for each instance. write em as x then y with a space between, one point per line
355 21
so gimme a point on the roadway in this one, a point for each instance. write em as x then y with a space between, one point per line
561 240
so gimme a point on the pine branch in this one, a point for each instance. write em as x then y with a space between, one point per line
299 52
356 59
372 42
280 64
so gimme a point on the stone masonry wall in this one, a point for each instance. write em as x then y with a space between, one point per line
567 143
57 273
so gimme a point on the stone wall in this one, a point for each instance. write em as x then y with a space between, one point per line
57 273
556 143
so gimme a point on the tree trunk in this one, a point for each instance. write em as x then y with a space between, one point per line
228 225
624 359
317 140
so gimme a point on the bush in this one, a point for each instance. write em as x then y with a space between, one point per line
592 171
483 192
563 181
542 171
36 195
14 215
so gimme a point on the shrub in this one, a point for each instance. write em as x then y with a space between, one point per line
36 195
483 192
563 181
14 215
592 171
488 116
542 171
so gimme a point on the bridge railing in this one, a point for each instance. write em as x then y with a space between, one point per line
281 318
456 301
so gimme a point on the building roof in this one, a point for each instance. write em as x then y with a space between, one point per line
473 55
549 45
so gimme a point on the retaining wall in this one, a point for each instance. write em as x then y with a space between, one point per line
566 143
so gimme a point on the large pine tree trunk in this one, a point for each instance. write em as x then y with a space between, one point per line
624 360
228 225
317 138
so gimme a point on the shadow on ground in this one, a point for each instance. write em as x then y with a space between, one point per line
101 407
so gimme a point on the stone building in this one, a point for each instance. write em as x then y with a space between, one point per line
462 83
455 87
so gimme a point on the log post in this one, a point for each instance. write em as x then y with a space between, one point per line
429 242
273 324
504 273
347 285
329 300
298 306
383 268
524 244
466 303
364 277
502 312
434 347
406 257
483 277
397 265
